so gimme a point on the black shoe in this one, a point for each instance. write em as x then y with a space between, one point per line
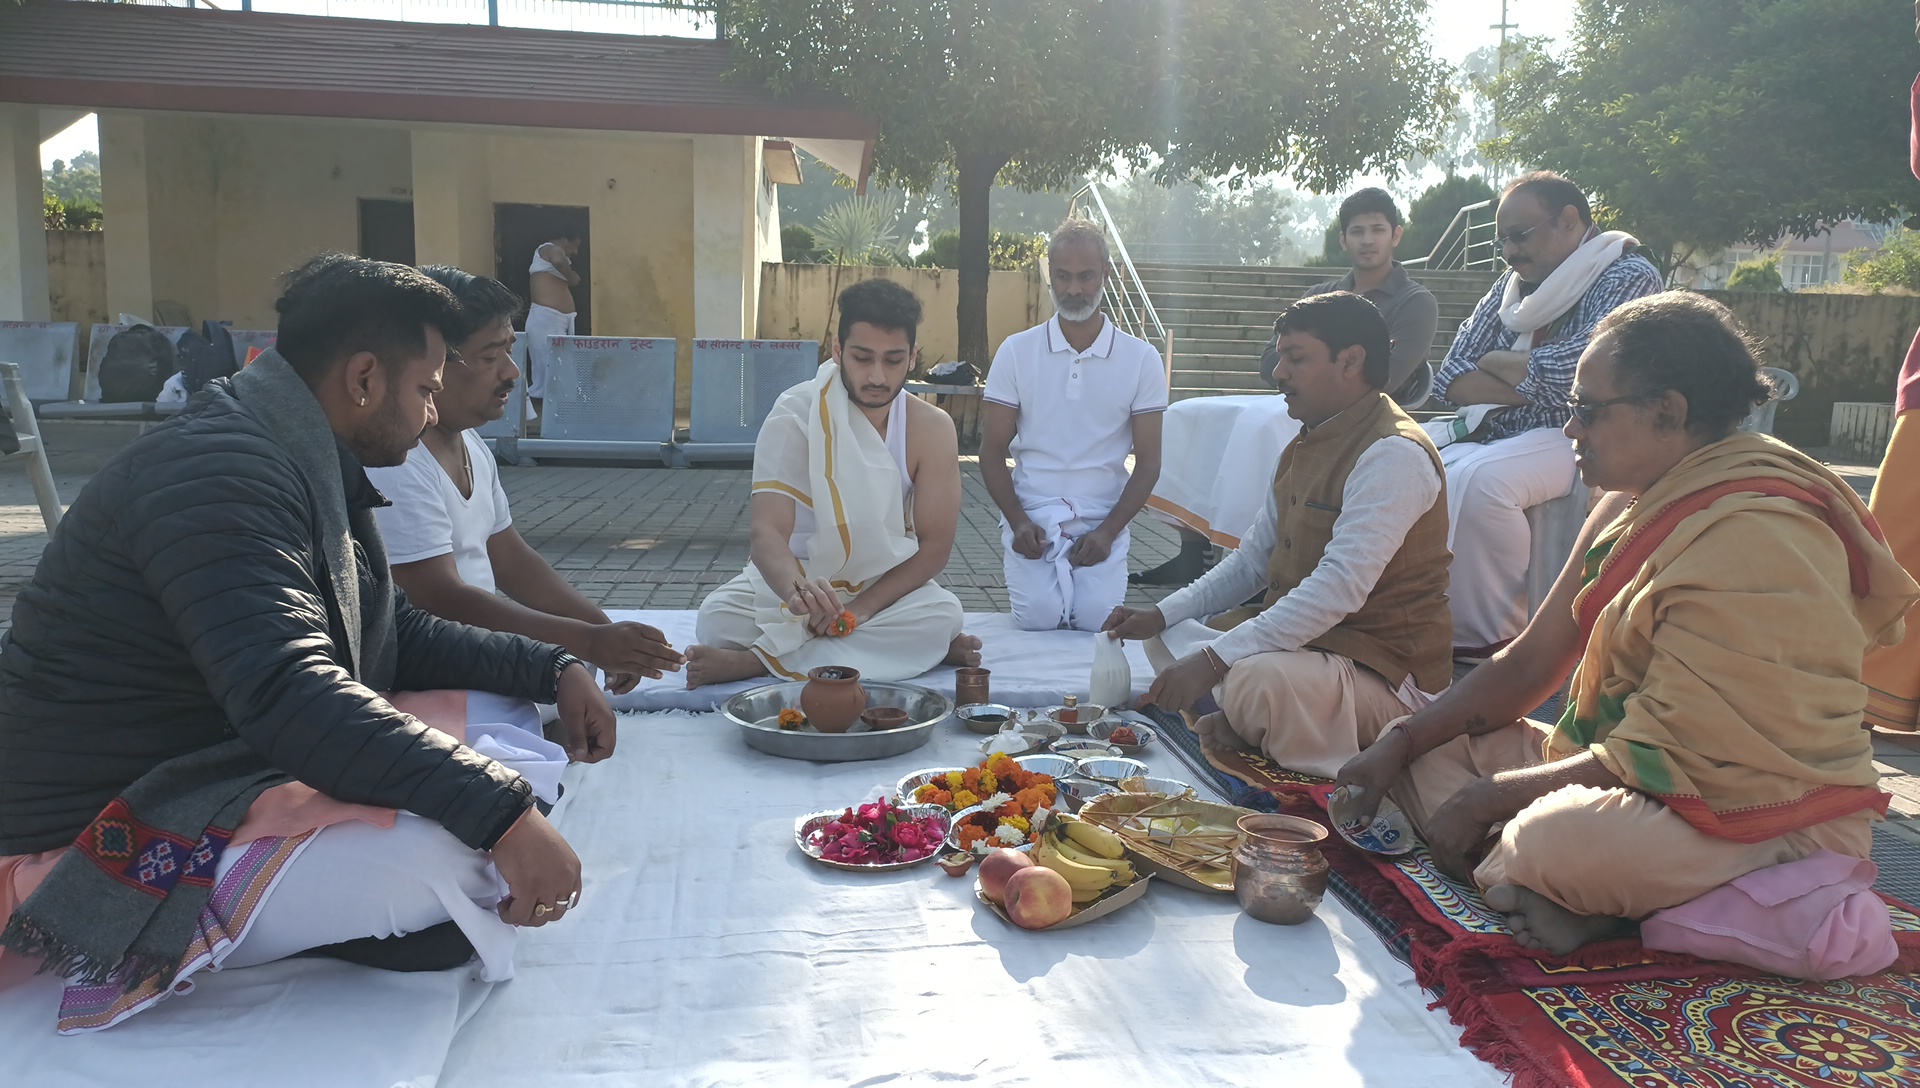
435 948
1178 571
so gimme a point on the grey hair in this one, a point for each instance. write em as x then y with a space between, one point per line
1082 232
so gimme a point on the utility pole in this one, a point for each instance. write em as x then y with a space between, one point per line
1505 24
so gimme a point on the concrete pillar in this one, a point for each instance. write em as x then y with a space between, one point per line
452 203
125 215
23 234
725 230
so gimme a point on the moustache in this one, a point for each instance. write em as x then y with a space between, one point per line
506 389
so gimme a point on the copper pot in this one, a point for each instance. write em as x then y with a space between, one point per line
833 698
1279 874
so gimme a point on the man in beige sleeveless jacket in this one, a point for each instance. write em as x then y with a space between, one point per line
1351 550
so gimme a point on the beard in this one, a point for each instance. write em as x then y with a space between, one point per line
385 439
1074 307
853 394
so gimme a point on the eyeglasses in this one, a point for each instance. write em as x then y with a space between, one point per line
1518 237
1587 411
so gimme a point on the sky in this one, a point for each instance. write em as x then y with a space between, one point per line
1459 27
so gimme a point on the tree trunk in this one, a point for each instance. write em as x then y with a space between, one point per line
973 185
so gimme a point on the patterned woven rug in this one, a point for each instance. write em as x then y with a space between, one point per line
1614 1013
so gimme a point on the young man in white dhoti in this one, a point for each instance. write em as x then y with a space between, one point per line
191 721
449 532
1071 399
856 497
550 280
1351 549
1509 373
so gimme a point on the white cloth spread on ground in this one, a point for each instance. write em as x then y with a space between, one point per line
429 517
1070 452
705 950
543 322
1217 457
819 450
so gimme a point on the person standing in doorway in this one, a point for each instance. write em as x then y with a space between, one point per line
550 281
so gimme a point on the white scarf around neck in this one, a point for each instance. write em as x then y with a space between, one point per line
1563 288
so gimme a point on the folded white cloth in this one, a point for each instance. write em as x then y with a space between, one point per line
1563 288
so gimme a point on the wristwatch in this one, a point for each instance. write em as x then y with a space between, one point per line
561 661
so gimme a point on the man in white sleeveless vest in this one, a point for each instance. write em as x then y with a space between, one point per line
856 496
550 280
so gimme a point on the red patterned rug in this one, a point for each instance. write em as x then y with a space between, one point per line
1616 1013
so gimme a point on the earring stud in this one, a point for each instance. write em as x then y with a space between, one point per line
363 402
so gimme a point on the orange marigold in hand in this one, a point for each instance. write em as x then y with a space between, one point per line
843 625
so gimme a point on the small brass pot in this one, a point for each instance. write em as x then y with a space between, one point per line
1279 874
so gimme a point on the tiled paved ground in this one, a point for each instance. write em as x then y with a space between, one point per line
661 538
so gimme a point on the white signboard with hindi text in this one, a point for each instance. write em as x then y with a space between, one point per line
610 389
44 351
735 383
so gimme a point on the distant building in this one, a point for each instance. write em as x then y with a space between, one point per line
1804 262
234 145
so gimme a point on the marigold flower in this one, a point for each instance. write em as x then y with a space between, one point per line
970 834
941 797
965 799
1001 763
1016 821
955 780
843 625
924 794
989 783
790 718
971 779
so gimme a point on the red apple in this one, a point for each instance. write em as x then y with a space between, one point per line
1038 897
997 869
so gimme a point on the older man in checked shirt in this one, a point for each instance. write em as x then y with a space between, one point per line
1510 371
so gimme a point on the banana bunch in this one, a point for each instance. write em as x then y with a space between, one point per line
1090 857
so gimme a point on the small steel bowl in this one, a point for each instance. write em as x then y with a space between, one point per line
1087 716
1083 748
1053 766
1111 768
985 717
1168 787
1103 730
953 830
904 789
1075 792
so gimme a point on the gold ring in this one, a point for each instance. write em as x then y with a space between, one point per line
541 910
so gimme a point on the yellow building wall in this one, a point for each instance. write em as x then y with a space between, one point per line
796 303
289 191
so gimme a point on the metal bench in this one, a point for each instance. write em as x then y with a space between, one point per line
735 383
32 449
608 399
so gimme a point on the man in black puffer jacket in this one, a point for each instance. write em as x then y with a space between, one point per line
214 617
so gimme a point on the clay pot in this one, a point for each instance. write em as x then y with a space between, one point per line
882 718
833 698
1279 874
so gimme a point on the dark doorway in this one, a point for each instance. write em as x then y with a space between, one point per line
519 229
386 230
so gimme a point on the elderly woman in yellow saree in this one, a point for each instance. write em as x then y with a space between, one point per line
1713 619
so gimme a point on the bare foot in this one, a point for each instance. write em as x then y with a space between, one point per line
713 665
1543 925
1216 733
964 651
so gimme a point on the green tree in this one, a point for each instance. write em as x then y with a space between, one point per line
1037 93
1760 274
74 182
1895 264
1206 222
1700 124
799 246
1008 251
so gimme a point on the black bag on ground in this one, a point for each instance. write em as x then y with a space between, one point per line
137 363
202 358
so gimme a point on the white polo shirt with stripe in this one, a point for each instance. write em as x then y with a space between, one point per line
1076 410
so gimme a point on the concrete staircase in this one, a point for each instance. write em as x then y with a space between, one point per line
1220 316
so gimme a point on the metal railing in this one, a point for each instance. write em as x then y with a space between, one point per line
1468 242
1124 294
648 17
